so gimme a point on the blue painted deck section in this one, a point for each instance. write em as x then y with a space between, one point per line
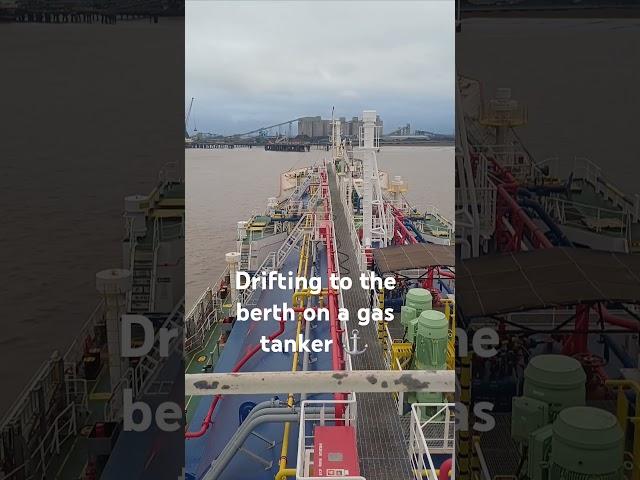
201 452
150 454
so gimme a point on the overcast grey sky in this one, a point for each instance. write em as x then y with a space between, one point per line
252 64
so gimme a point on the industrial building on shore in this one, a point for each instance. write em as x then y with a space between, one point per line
314 127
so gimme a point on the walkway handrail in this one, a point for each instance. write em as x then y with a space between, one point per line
419 445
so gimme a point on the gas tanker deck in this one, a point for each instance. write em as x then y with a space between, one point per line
336 220
548 260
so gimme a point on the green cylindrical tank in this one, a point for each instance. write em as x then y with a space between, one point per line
419 298
587 443
432 336
557 380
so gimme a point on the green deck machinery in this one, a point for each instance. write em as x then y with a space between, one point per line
428 331
417 301
559 436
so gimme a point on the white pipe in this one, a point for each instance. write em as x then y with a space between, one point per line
368 381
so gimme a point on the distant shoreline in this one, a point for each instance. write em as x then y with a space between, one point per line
435 143
550 12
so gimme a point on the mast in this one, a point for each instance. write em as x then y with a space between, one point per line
374 228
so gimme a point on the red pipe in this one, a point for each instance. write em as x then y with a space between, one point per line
442 275
446 274
445 468
578 342
207 420
619 322
580 337
517 210
402 232
337 359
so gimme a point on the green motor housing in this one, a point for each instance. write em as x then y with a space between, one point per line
432 337
551 384
420 299
557 380
587 443
417 300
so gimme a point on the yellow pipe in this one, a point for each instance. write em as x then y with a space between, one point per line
283 471
624 418
449 312
307 293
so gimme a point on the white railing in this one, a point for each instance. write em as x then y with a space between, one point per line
137 378
76 350
581 167
292 240
133 243
26 411
388 342
154 266
40 458
585 170
114 406
300 189
203 315
77 392
171 232
486 198
435 435
584 216
308 422
345 187
514 158
446 225
435 212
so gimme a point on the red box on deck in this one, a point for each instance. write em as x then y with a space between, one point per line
335 452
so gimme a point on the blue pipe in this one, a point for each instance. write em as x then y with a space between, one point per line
444 286
618 351
561 238
409 224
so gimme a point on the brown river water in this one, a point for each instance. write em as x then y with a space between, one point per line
226 186
49 264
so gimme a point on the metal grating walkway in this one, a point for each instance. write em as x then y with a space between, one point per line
381 444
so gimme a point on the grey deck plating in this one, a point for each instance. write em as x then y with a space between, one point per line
381 443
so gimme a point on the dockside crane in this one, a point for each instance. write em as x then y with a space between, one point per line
186 119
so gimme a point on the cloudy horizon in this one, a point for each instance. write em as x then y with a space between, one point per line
253 64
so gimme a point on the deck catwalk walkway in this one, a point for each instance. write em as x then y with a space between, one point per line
381 443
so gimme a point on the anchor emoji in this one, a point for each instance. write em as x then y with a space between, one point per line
355 337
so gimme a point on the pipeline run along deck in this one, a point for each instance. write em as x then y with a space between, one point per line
328 220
